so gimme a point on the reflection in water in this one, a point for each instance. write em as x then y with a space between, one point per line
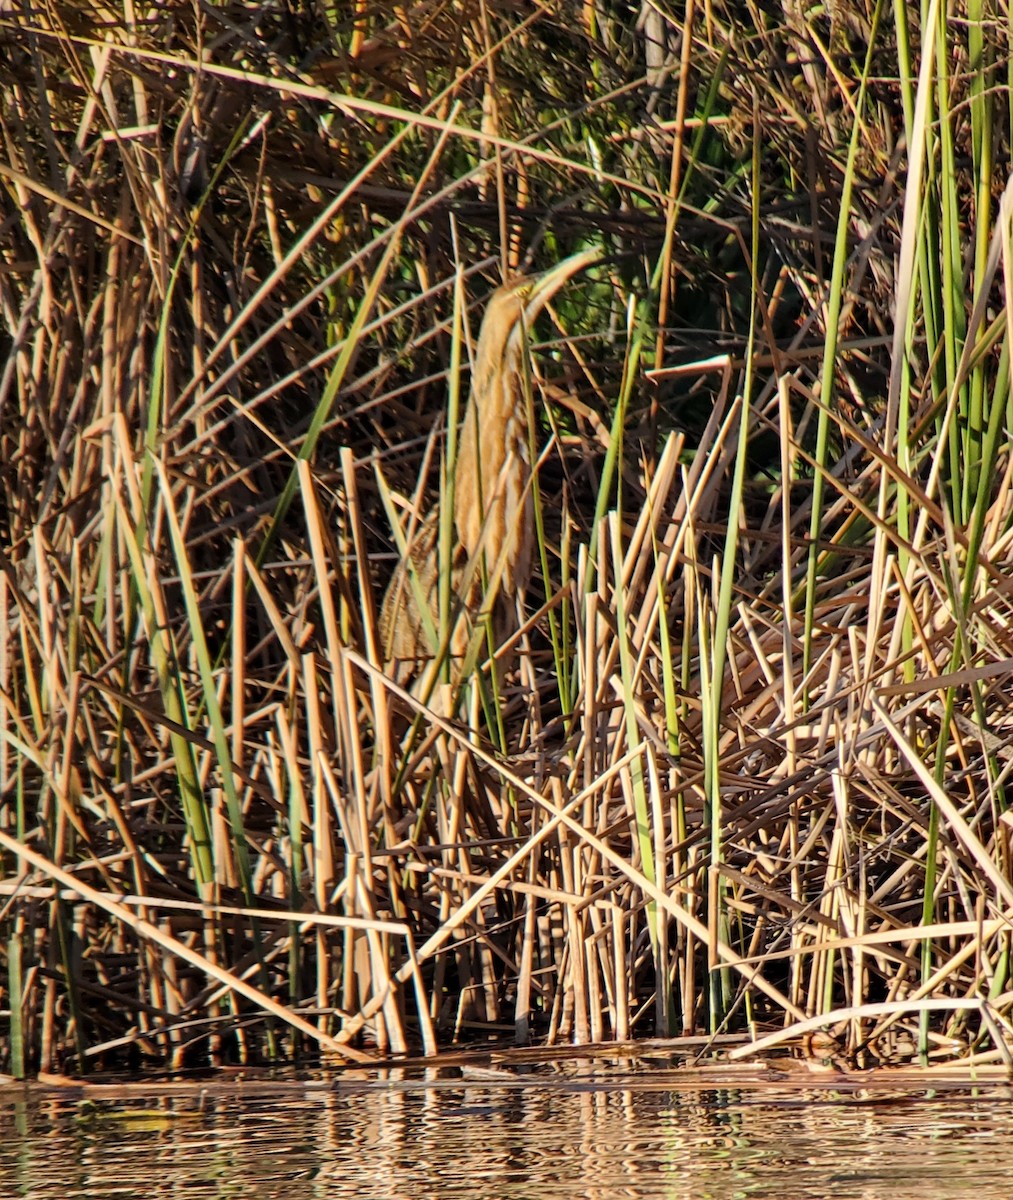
594 1136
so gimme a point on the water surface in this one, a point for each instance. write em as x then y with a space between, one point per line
598 1134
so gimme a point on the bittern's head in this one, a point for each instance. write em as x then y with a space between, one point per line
513 307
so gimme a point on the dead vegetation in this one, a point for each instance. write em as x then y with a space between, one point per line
749 776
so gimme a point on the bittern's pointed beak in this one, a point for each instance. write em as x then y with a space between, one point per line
543 287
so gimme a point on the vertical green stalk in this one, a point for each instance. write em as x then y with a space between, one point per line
720 982
636 331
981 110
963 454
834 304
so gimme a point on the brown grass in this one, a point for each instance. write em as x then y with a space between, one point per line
749 775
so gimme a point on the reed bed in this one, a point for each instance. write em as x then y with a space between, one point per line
746 777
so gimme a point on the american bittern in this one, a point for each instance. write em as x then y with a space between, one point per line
493 507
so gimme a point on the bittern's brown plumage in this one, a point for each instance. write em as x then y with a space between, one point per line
493 507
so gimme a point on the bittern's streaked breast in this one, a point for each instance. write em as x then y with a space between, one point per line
493 507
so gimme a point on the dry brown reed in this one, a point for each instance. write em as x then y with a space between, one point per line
750 774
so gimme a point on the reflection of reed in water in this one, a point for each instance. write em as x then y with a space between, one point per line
493 509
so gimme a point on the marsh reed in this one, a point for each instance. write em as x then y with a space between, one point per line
747 775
